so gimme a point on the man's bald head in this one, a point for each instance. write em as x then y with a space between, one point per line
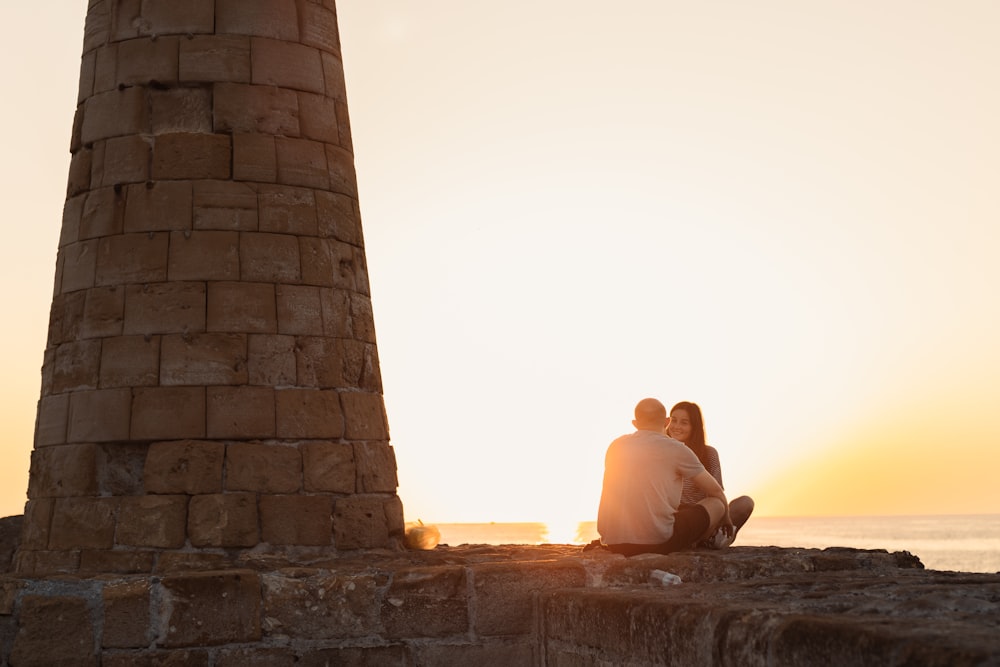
650 415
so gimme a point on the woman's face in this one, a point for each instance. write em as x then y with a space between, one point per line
680 425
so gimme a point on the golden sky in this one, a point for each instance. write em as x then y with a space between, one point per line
786 212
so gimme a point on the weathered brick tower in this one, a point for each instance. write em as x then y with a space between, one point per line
210 383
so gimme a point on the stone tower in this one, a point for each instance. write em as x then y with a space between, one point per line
210 386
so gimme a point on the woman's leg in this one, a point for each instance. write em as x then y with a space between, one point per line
740 510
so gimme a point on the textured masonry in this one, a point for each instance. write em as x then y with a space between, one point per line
210 380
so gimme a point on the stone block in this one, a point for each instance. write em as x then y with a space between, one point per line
350 270
63 471
250 109
126 160
318 118
191 155
461 653
72 214
271 360
426 602
105 66
156 206
203 359
104 212
360 522
188 466
35 527
65 319
288 210
78 264
211 58
40 614
343 178
257 657
329 467
81 167
320 362
296 520
333 77
394 655
204 255
320 605
103 312
46 563
97 28
308 413
51 421
119 468
127 622
130 361
168 413
362 318
104 562
506 593
302 162
114 113
152 521
83 523
181 111
99 416
288 65
270 18
77 365
254 158
164 308
376 467
338 218
183 17
88 67
264 468
223 520
210 609
269 258
142 61
361 366
364 415
318 262
242 307
299 310
225 206
344 127
393 508
240 412
131 258
336 305
318 27
170 658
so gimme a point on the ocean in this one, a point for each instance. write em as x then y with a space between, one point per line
959 543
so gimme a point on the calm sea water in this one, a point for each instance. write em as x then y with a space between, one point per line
961 543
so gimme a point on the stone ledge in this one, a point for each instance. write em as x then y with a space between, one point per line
545 605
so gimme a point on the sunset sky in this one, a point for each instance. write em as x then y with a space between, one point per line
787 212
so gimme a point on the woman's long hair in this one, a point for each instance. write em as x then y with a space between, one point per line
696 441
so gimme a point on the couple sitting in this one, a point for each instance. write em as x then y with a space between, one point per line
663 486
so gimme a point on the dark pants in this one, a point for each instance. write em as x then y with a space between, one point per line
690 523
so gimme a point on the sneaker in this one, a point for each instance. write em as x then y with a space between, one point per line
720 540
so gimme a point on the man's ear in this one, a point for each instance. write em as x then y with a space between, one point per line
635 423
666 424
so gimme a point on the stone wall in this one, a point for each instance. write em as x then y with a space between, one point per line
545 606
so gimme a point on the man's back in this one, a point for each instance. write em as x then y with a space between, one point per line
643 475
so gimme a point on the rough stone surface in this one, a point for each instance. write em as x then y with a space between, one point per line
515 604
